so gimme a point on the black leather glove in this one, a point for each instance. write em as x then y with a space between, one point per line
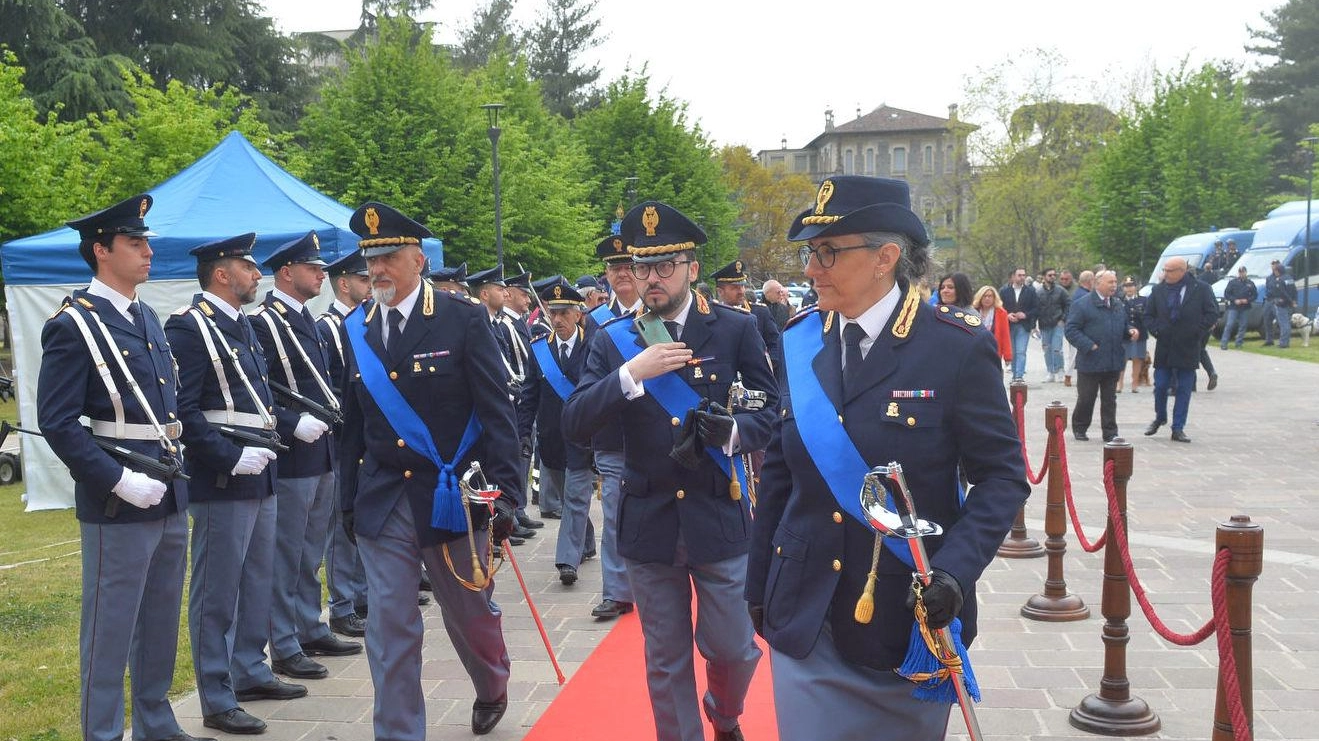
687 451
348 522
943 599
505 519
757 613
714 423
525 448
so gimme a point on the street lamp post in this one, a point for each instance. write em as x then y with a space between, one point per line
492 115
1144 230
631 190
1309 141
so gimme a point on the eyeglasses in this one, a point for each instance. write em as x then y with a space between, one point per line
664 268
826 255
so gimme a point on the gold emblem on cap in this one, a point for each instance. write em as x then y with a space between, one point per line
738 266
558 292
316 241
650 220
372 220
142 208
822 198
618 245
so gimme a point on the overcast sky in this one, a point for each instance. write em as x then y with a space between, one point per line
756 73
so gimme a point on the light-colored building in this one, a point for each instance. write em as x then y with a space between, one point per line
927 151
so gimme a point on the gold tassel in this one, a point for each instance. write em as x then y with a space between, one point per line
865 605
735 490
599 492
478 574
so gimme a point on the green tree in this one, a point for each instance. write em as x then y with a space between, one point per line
405 127
65 71
554 43
630 135
489 33
1288 89
1194 158
768 201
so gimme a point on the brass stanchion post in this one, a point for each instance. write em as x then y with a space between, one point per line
1018 544
1054 604
1245 540
1113 711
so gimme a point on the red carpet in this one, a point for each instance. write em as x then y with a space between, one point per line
608 693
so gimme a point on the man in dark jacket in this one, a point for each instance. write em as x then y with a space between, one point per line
1179 311
1239 295
1022 304
1097 326
1279 302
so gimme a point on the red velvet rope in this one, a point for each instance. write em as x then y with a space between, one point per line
1227 666
1086 545
1018 414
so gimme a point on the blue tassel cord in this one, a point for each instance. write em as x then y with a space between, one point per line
933 672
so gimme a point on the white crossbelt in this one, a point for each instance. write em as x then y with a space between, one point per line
333 321
262 418
267 314
106 428
118 428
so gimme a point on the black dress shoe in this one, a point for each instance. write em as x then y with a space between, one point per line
567 574
423 600
515 540
361 610
348 625
331 645
235 720
522 532
1081 436
486 715
732 734
298 665
183 735
589 555
1213 382
425 584
1180 436
1154 427
551 515
272 690
610 609
525 521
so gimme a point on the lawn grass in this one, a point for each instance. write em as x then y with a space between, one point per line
1294 351
40 597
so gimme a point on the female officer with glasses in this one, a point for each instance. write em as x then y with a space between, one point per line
909 383
683 521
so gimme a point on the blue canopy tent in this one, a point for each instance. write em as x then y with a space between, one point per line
230 190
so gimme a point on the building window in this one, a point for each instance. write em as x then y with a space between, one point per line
870 162
799 163
847 162
899 160
927 159
776 160
948 159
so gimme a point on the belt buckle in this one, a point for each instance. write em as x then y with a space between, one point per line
173 429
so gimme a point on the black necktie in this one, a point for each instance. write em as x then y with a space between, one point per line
135 311
852 361
245 329
501 338
674 330
395 319
563 354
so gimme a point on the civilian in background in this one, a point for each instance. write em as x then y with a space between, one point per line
776 298
955 290
995 320
1097 326
1021 303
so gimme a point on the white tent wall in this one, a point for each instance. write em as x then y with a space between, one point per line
47 482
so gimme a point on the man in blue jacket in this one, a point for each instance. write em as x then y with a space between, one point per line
1097 326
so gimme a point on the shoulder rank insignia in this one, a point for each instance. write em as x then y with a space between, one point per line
702 306
428 301
88 305
907 314
280 307
205 306
964 320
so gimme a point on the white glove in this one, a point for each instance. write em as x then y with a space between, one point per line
309 429
139 489
253 461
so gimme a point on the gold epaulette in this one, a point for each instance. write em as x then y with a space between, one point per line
967 320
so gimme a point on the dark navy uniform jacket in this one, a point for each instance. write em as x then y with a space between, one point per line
809 559
330 327
69 386
661 499
609 438
211 456
301 459
542 407
447 365
769 332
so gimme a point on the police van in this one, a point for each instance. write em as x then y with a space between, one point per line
1197 248
1281 238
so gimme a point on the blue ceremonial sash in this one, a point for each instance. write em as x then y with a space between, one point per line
601 313
824 437
448 507
675 396
551 370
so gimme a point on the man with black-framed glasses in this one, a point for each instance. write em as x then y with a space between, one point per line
684 521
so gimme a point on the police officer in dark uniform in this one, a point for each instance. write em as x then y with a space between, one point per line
730 285
345 579
451 279
224 404
105 357
607 443
423 375
907 382
298 361
683 516
565 466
